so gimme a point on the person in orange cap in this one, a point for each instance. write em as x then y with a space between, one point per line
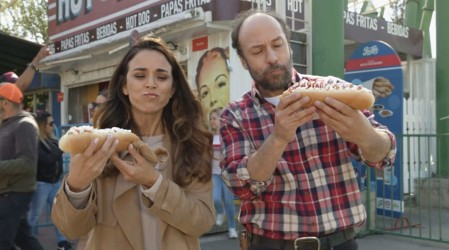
18 166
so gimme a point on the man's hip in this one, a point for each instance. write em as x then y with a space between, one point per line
340 240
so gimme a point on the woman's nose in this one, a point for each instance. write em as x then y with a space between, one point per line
150 82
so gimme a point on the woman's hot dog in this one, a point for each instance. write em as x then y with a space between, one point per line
77 139
317 89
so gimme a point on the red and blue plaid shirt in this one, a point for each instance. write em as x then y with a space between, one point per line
313 190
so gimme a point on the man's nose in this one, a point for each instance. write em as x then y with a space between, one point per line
272 56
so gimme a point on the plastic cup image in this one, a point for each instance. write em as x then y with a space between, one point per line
385 113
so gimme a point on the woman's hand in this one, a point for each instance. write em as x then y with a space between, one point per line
87 166
139 171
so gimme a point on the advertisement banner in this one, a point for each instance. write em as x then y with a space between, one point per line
362 28
75 24
377 66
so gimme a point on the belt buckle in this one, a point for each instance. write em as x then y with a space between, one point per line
308 241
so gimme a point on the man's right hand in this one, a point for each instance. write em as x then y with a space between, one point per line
290 114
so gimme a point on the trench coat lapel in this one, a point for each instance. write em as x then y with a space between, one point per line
126 206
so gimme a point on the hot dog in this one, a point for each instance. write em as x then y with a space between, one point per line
77 139
317 89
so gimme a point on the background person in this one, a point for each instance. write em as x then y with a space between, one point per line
99 100
223 198
131 203
49 171
290 165
25 79
212 79
18 164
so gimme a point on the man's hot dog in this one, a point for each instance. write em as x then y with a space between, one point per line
77 139
317 89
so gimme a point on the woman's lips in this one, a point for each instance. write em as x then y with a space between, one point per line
150 95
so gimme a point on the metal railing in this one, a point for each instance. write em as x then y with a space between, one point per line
414 203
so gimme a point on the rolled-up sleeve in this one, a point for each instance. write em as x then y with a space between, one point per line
237 148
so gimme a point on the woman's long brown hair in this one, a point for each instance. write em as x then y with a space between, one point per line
182 117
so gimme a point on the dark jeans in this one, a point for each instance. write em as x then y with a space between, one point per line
348 245
14 227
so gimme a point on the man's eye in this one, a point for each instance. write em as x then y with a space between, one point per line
139 76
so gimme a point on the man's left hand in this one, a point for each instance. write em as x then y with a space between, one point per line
349 123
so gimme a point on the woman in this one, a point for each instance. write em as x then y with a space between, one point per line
212 79
221 194
130 203
49 171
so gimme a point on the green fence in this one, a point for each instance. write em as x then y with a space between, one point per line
423 205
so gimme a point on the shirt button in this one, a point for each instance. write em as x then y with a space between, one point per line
306 193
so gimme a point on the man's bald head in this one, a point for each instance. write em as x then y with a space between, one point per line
244 16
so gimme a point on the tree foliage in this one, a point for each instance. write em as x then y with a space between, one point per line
25 19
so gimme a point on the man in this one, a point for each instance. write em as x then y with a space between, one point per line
290 165
18 166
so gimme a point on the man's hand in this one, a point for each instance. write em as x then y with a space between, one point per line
290 114
354 127
43 52
350 124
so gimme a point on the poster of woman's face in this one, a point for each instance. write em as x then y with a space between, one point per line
212 79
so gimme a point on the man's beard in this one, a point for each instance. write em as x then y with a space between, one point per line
281 82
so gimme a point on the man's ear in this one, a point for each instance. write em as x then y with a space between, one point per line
244 63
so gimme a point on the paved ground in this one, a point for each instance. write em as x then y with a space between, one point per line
220 241
433 224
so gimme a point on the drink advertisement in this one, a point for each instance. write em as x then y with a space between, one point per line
377 66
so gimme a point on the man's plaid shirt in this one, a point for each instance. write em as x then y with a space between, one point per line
313 190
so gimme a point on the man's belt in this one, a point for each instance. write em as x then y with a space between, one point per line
325 242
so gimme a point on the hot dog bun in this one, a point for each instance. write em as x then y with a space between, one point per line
317 89
77 139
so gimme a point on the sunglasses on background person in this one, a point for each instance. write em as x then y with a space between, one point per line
96 105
